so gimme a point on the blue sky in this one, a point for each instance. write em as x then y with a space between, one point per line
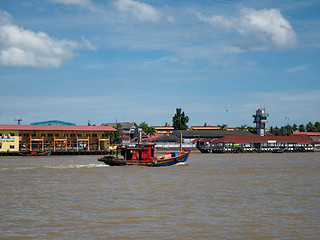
129 60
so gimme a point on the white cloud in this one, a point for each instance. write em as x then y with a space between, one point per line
142 11
87 4
88 44
259 29
297 68
25 48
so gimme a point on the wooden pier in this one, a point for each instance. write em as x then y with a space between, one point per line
55 153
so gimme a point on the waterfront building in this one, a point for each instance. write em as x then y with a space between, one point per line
315 136
196 138
259 144
54 138
54 123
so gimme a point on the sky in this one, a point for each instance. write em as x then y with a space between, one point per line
137 61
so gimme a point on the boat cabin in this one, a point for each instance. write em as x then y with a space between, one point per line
139 152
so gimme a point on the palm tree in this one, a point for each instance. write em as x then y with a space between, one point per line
242 128
276 131
302 128
310 127
150 131
288 130
271 130
294 127
223 127
251 129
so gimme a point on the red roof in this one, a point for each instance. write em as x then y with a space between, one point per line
307 133
57 128
125 136
260 139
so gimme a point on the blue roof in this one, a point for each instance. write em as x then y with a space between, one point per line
53 122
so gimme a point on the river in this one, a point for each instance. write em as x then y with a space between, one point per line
213 196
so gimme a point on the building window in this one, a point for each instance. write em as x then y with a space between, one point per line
34 135
12 134
79 135
11 146
57 135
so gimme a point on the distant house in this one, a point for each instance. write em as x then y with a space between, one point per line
166 129
129 128
206 127
166 141
125 139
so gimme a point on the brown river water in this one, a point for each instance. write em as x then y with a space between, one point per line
226 196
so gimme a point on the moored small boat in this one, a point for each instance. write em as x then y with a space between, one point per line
143 155
35 153
278 150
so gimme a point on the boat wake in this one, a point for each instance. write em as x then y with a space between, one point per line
76 166
93 165
180 164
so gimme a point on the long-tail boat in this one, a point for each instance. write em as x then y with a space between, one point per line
143 155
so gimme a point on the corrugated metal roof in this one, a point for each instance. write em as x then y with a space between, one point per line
260 139
210 133
56 128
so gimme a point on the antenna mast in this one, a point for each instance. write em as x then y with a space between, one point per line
19 120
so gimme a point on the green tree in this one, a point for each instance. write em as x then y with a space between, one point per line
276 131
180 120
223 126
310 127
242 128
144 126
251 129
317 126
288 130
115 136
302 128
271 130
148 130
294 127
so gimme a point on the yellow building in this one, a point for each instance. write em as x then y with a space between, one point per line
167 129
54 138
9 141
